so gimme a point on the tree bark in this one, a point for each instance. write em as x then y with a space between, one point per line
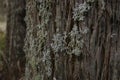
16 30
72 40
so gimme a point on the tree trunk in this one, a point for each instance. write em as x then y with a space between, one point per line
72 40
16 29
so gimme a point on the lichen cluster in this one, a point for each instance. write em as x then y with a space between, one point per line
76 36
35 41
44 13
38 52
80 10
79 32
58 44
47 61
76 43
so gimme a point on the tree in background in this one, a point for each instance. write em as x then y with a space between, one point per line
72 40
16 29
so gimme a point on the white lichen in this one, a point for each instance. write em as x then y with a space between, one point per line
44 11
77 34
76 51
58 43
77 40
103 4
79 11
76 43
35 40
47 61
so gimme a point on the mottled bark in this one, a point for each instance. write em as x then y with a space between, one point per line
16 29
54 55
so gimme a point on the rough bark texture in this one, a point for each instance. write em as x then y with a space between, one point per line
69 41
16 29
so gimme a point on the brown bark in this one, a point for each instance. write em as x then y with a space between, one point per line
100 55
16 29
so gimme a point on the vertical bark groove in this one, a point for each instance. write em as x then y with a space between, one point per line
98 60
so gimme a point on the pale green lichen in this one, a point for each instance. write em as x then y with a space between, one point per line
76 36
79 11
103 4
76 43
35 41
37 77
42 34
44 7
58 44
44 11
47 61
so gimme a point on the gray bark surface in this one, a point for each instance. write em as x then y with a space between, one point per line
52 56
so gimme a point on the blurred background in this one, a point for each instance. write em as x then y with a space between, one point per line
2 32
2 16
